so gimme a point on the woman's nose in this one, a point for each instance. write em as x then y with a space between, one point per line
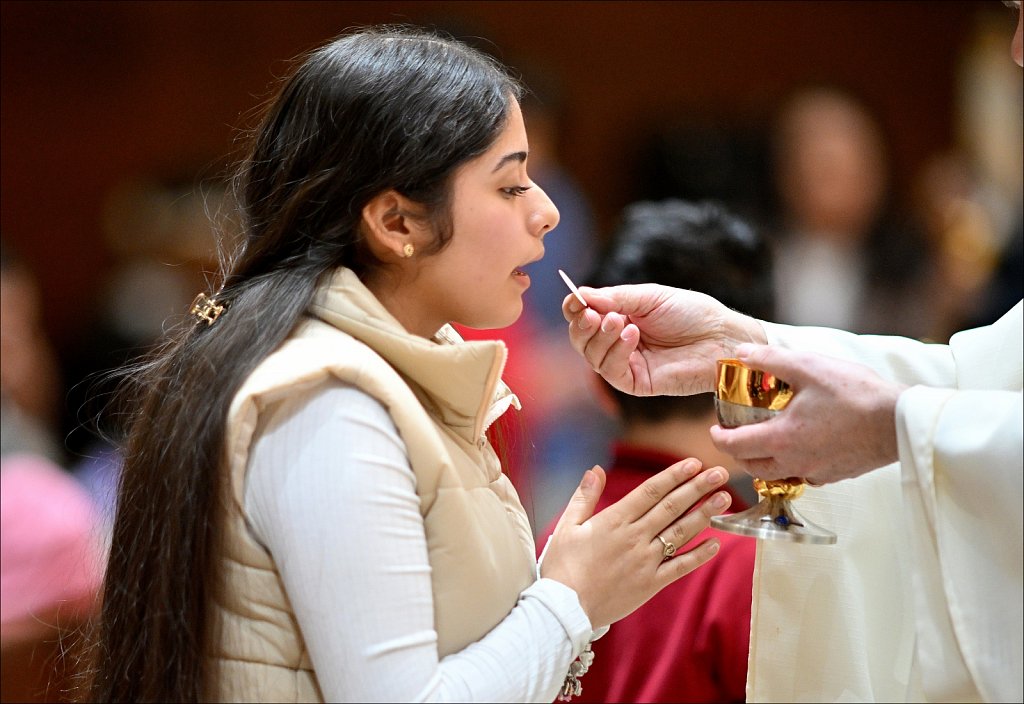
545 214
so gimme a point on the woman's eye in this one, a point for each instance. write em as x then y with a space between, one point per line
516 190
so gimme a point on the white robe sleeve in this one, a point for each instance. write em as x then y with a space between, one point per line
962 453
330 493
947 547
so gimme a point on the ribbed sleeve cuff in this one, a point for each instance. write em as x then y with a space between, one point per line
564 605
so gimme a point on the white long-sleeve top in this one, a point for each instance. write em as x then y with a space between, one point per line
330 493
922 597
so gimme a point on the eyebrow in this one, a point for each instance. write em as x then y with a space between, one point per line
514 156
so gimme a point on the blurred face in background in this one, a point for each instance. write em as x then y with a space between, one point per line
28 368
831 166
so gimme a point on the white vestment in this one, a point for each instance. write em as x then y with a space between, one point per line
921 598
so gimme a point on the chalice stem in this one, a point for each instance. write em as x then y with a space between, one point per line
774 518
780 511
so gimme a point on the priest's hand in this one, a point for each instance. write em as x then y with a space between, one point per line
840 423
651 340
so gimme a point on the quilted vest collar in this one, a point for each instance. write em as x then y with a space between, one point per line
462 378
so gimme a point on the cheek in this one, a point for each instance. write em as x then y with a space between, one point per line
483 224
486 237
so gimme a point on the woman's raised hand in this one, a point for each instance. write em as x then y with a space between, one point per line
616 560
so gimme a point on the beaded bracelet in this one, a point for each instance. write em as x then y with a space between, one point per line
571 687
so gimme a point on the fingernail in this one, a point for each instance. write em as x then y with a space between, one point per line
588 480
712 547
583 322
606 324
715 476
691 466
719 500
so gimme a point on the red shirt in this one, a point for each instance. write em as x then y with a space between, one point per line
689 643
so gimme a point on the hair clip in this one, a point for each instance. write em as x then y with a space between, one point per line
206 308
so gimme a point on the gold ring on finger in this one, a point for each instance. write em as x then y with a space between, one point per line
668 549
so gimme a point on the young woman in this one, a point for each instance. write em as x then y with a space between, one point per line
310 508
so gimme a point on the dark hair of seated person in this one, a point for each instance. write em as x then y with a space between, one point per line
700 246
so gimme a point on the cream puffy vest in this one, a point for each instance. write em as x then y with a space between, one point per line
441 394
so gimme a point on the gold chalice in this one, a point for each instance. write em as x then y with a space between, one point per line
744 396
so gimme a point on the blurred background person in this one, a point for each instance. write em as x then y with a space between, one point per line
970 195
29 378
845 257
990 108
50 572
689 643
49 561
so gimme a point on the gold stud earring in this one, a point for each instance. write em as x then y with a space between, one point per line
408 249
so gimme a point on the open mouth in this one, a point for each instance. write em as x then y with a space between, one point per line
521 269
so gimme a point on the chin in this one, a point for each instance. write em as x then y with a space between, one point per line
495 319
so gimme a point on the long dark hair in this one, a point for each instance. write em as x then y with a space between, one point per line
381 108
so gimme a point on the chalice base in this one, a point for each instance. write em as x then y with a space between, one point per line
774 518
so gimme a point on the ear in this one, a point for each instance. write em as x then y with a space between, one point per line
391 221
